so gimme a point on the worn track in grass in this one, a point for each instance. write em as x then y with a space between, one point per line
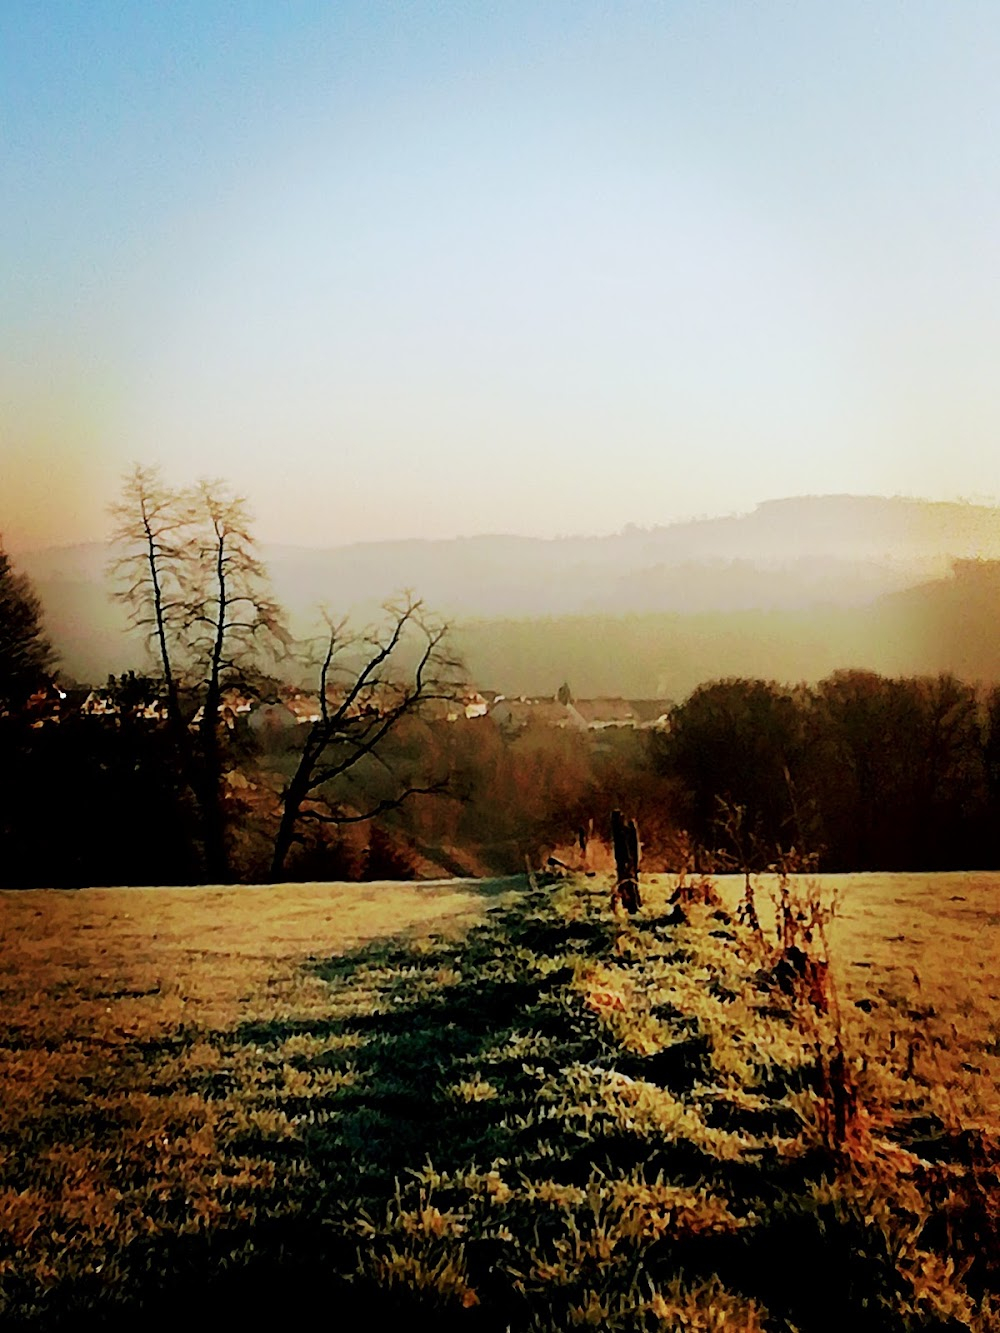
215 1099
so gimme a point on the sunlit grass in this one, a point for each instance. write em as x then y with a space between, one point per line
441 1105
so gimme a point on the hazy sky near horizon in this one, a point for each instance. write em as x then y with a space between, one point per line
420 269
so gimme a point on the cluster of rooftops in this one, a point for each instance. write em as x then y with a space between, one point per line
289 707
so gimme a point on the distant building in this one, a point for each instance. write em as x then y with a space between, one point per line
153 711
474 705
272 719
307 708
653 714
601 713
238 700
512 715
99 703
49 703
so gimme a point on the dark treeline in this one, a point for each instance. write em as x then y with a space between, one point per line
865 771
868 772
103 800
88 803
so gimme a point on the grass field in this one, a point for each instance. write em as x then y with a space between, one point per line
921 955
479 1106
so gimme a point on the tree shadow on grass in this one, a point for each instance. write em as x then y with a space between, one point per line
413 1031
425 1028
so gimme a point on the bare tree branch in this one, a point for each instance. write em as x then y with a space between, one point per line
381 685
389 803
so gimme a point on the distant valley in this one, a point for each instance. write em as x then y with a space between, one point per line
793 590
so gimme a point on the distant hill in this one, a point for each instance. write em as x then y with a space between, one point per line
794 589
945 625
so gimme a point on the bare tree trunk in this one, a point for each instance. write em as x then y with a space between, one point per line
213 823
153 525
213 819
625 838
295 794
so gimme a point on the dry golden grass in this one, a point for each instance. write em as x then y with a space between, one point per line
128 963
915 962
131 1108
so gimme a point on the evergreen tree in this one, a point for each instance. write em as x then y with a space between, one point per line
26 657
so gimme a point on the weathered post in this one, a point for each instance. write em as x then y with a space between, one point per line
625 840
584 834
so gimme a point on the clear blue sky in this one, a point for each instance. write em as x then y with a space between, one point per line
427 269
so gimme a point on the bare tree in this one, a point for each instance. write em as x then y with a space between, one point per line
229 618
367 685
190 575
152 570
229 615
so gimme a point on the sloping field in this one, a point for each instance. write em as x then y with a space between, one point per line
477 1106
111 964
916 962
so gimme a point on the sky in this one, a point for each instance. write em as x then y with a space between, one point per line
436 269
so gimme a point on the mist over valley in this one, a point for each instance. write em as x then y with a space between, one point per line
794 590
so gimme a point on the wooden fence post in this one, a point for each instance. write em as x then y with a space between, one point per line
625 839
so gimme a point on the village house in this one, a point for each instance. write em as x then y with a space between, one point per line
238 700
469 705
306 708
153 711
653 714
373 701
512 715
48 704
99 703
472 705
